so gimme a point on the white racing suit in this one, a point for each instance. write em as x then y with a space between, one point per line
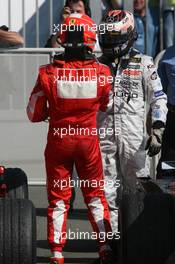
137 92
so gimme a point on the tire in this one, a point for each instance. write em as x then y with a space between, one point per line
17 232
148 226
16 181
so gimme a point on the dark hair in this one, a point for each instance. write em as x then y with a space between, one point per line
86 5
109 3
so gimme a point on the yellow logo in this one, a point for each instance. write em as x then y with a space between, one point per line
72 22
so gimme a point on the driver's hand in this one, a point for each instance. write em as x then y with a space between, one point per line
66 12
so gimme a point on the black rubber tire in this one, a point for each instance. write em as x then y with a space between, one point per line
148 226
17 231
153 231
16 181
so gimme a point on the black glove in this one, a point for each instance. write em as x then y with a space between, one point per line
154 142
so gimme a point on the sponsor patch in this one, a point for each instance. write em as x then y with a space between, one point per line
128 84
135 60
157 114
158 93
134 66
131 72
126 94
154 76
110 19
72 21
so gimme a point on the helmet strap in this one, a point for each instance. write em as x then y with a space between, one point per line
81 53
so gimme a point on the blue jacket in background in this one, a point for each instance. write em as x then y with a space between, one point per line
140 28
147 46
166 72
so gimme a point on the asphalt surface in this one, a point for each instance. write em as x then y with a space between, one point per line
78 250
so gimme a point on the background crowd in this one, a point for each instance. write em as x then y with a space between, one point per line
155 23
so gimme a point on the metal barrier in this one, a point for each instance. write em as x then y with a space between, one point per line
22 143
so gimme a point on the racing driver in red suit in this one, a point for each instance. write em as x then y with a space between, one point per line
69 92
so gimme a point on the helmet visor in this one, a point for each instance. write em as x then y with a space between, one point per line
112 39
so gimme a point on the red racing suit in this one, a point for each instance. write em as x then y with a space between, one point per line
70 94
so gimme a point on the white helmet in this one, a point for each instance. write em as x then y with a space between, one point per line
119 34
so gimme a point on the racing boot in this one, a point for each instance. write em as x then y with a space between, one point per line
56 260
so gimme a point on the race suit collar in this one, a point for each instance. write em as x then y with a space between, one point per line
59 60
124 60
131 53
84 55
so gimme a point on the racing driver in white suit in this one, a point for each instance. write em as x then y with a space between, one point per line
137 95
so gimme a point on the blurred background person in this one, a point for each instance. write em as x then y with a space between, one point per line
168 22
79 6
140 20
166 70
108 5
147 26
112 4
9 39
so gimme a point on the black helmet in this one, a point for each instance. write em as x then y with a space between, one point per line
119 32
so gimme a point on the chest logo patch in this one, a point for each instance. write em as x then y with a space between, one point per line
132 72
